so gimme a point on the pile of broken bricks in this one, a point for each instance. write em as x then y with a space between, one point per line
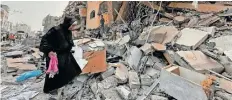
185 55
175 59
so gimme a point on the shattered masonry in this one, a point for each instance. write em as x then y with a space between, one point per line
184 54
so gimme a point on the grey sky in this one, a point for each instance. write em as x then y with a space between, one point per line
33 12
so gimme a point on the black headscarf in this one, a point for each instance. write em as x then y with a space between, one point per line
68 21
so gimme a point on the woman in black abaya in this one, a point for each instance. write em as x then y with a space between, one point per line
58 40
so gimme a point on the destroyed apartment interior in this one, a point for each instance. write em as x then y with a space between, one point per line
127 50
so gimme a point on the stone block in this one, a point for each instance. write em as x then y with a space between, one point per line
134 80
191 38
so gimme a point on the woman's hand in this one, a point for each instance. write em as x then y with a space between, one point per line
51 54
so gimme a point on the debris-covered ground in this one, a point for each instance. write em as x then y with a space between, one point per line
174 51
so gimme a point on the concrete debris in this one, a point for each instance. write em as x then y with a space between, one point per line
146 80
228 54
152 73
123 40
134 80
211 30
209 21
179 19
110 94
14 54
200 62
124 92
109 82
134 57
159 47
138 56
160 34
201 7
156 97
110 71
164 20
169 15
147 91
179 83
226 85
224 95
223 42
193 21
147 48
197 37
122 73
227 64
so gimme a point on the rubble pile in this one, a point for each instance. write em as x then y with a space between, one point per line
180 52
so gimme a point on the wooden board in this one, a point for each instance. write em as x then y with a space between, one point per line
96 61
19 63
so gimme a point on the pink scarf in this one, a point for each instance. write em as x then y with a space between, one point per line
53 66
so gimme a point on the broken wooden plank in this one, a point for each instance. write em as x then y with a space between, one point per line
96 61
201 7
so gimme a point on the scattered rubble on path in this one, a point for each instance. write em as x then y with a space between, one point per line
184 54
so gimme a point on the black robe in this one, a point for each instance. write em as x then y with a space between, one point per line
59 40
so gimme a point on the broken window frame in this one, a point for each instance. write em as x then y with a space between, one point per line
92 14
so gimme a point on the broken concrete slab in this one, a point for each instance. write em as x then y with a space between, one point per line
211 30
169 15
193 21
169 55
110 94
124 92
200 8
147 48
224 95
200 61
179 19
158 47
14 54
122 73
226 85
228 54
147 91
134 80
146 80
123 40
116 50
164 20
210 54
181 83
209 21
160 34
134 57
223 42
109 82
156 97
152 72
191 38
227 64
82 78
203 16
110 71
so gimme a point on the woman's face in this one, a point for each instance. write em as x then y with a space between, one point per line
73 26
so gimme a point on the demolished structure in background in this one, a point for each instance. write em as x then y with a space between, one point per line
171 51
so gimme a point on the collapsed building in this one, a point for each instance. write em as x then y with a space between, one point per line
151 51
